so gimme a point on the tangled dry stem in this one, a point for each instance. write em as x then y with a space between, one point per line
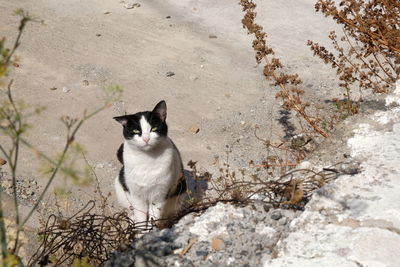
290 93
368 53
84 234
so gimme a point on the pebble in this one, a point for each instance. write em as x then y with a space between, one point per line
212 36
194 129
276 216
217 244
85 83
131 5
170 74
66 90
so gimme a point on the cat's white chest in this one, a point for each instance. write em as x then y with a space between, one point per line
149 173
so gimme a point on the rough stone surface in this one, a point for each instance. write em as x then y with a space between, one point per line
355 221
246 235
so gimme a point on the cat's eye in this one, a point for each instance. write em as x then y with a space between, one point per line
136 131
154 129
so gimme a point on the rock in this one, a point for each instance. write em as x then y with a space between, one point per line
2 162
131 5
194 129
224 234
53 88
276 215
217 244
354 220
212 36
85 83
170 74
66 90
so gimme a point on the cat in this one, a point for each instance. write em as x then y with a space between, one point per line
151 181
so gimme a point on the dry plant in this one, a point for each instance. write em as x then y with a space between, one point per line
292 189
368 54
289 92
85 235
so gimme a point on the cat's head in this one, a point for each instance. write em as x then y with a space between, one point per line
145 130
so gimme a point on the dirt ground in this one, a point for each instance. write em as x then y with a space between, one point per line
216 85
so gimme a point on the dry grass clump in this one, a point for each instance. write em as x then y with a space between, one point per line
368 53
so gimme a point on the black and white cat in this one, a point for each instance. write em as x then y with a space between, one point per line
151 181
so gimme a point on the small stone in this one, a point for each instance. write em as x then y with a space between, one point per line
212 36
66 90
107 12
98 34
242 122
131 5
217 244
85 83
53 88
170 73
193 78
201 253
276 216
2 162
244 253
201 66
168 17
194 129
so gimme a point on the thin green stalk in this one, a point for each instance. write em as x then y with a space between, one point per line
3 237
22 25
13 163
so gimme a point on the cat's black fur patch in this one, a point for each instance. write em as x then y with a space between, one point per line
121 179
120 153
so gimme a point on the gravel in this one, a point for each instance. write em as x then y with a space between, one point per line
223 235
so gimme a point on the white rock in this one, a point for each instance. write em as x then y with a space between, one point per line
355 221
212 222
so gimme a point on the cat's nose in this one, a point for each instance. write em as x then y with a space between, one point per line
146 139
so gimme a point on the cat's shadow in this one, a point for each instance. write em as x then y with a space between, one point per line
196 185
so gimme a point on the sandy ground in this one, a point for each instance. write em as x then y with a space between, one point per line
217 85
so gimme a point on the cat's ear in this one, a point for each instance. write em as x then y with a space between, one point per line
161 110
122 119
